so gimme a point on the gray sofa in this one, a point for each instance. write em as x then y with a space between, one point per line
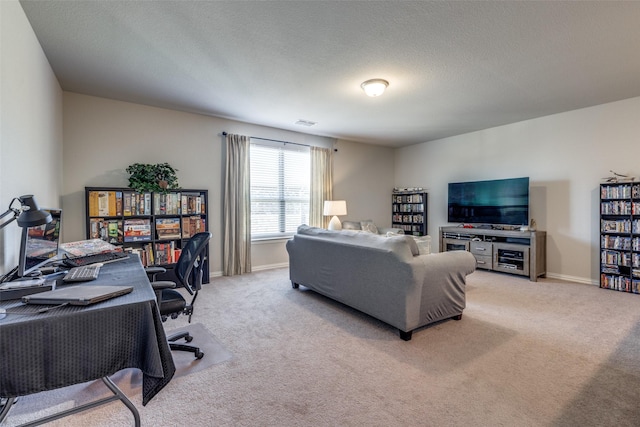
384 277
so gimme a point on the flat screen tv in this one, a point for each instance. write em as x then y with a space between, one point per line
496 202
39 244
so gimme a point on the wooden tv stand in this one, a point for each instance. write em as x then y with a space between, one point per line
507 251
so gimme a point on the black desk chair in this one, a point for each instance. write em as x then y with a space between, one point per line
188 270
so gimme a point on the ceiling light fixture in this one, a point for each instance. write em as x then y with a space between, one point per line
374 87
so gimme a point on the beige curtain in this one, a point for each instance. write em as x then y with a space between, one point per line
236 256
321 185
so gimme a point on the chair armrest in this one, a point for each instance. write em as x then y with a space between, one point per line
162 284
152 272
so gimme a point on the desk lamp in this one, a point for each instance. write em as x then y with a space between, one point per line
28 215
335 208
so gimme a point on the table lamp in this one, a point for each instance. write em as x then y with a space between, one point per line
335 208
28 215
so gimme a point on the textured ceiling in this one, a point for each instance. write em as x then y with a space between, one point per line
453 67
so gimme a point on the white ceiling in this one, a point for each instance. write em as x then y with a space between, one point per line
453 66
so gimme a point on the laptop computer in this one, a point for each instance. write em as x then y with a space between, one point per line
77 295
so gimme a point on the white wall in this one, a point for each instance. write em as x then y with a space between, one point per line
565 155
102 137
30 124
363 176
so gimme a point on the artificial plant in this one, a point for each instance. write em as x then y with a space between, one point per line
160 177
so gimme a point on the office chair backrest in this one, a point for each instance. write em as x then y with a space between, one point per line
191 262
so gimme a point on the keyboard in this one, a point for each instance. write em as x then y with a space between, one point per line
83 273
92 259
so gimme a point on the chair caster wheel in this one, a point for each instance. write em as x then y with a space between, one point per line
188 338
199 355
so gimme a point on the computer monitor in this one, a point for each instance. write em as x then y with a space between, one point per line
39 244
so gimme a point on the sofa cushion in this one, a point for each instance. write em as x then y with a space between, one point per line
351 225
410 241
424 244
398 243
369 226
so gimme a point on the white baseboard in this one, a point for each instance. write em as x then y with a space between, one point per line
269 266
254 269
585 280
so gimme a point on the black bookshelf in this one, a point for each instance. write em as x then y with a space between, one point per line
153 225
620 236
409 212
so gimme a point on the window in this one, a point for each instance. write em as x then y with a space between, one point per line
280 176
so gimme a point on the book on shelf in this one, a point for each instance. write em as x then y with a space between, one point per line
167 204
114 231
93 203
96 229
192 225
105 203
168 228
126 204
145 253
109 230
192 203
136 203
137 229
166 253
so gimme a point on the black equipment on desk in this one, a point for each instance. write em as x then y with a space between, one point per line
83 273
95 258
78 295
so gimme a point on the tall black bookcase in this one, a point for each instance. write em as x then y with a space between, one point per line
153 225
409 212
620 236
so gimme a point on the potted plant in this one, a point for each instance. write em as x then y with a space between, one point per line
159 178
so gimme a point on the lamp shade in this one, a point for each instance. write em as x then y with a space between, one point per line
335 207
31 215
374 87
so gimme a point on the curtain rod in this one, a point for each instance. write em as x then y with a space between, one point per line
274 140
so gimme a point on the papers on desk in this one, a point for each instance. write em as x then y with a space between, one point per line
87 247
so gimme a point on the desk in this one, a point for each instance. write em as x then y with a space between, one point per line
71 345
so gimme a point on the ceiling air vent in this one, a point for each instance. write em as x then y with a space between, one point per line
305 123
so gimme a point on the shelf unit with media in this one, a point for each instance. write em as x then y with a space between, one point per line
507 251
620 236
153 225
409 212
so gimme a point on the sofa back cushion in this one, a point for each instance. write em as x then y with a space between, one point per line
401 244
351 225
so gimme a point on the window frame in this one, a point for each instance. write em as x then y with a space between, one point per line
279 146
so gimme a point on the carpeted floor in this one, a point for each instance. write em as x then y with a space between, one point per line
129 381
544 353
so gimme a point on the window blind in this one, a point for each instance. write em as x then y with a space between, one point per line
280 179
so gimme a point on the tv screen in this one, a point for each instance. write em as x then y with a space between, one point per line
39 244
496 202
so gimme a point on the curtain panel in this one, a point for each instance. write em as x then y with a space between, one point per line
236 254
321 187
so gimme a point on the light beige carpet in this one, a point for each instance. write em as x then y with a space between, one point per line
39 405
545 353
